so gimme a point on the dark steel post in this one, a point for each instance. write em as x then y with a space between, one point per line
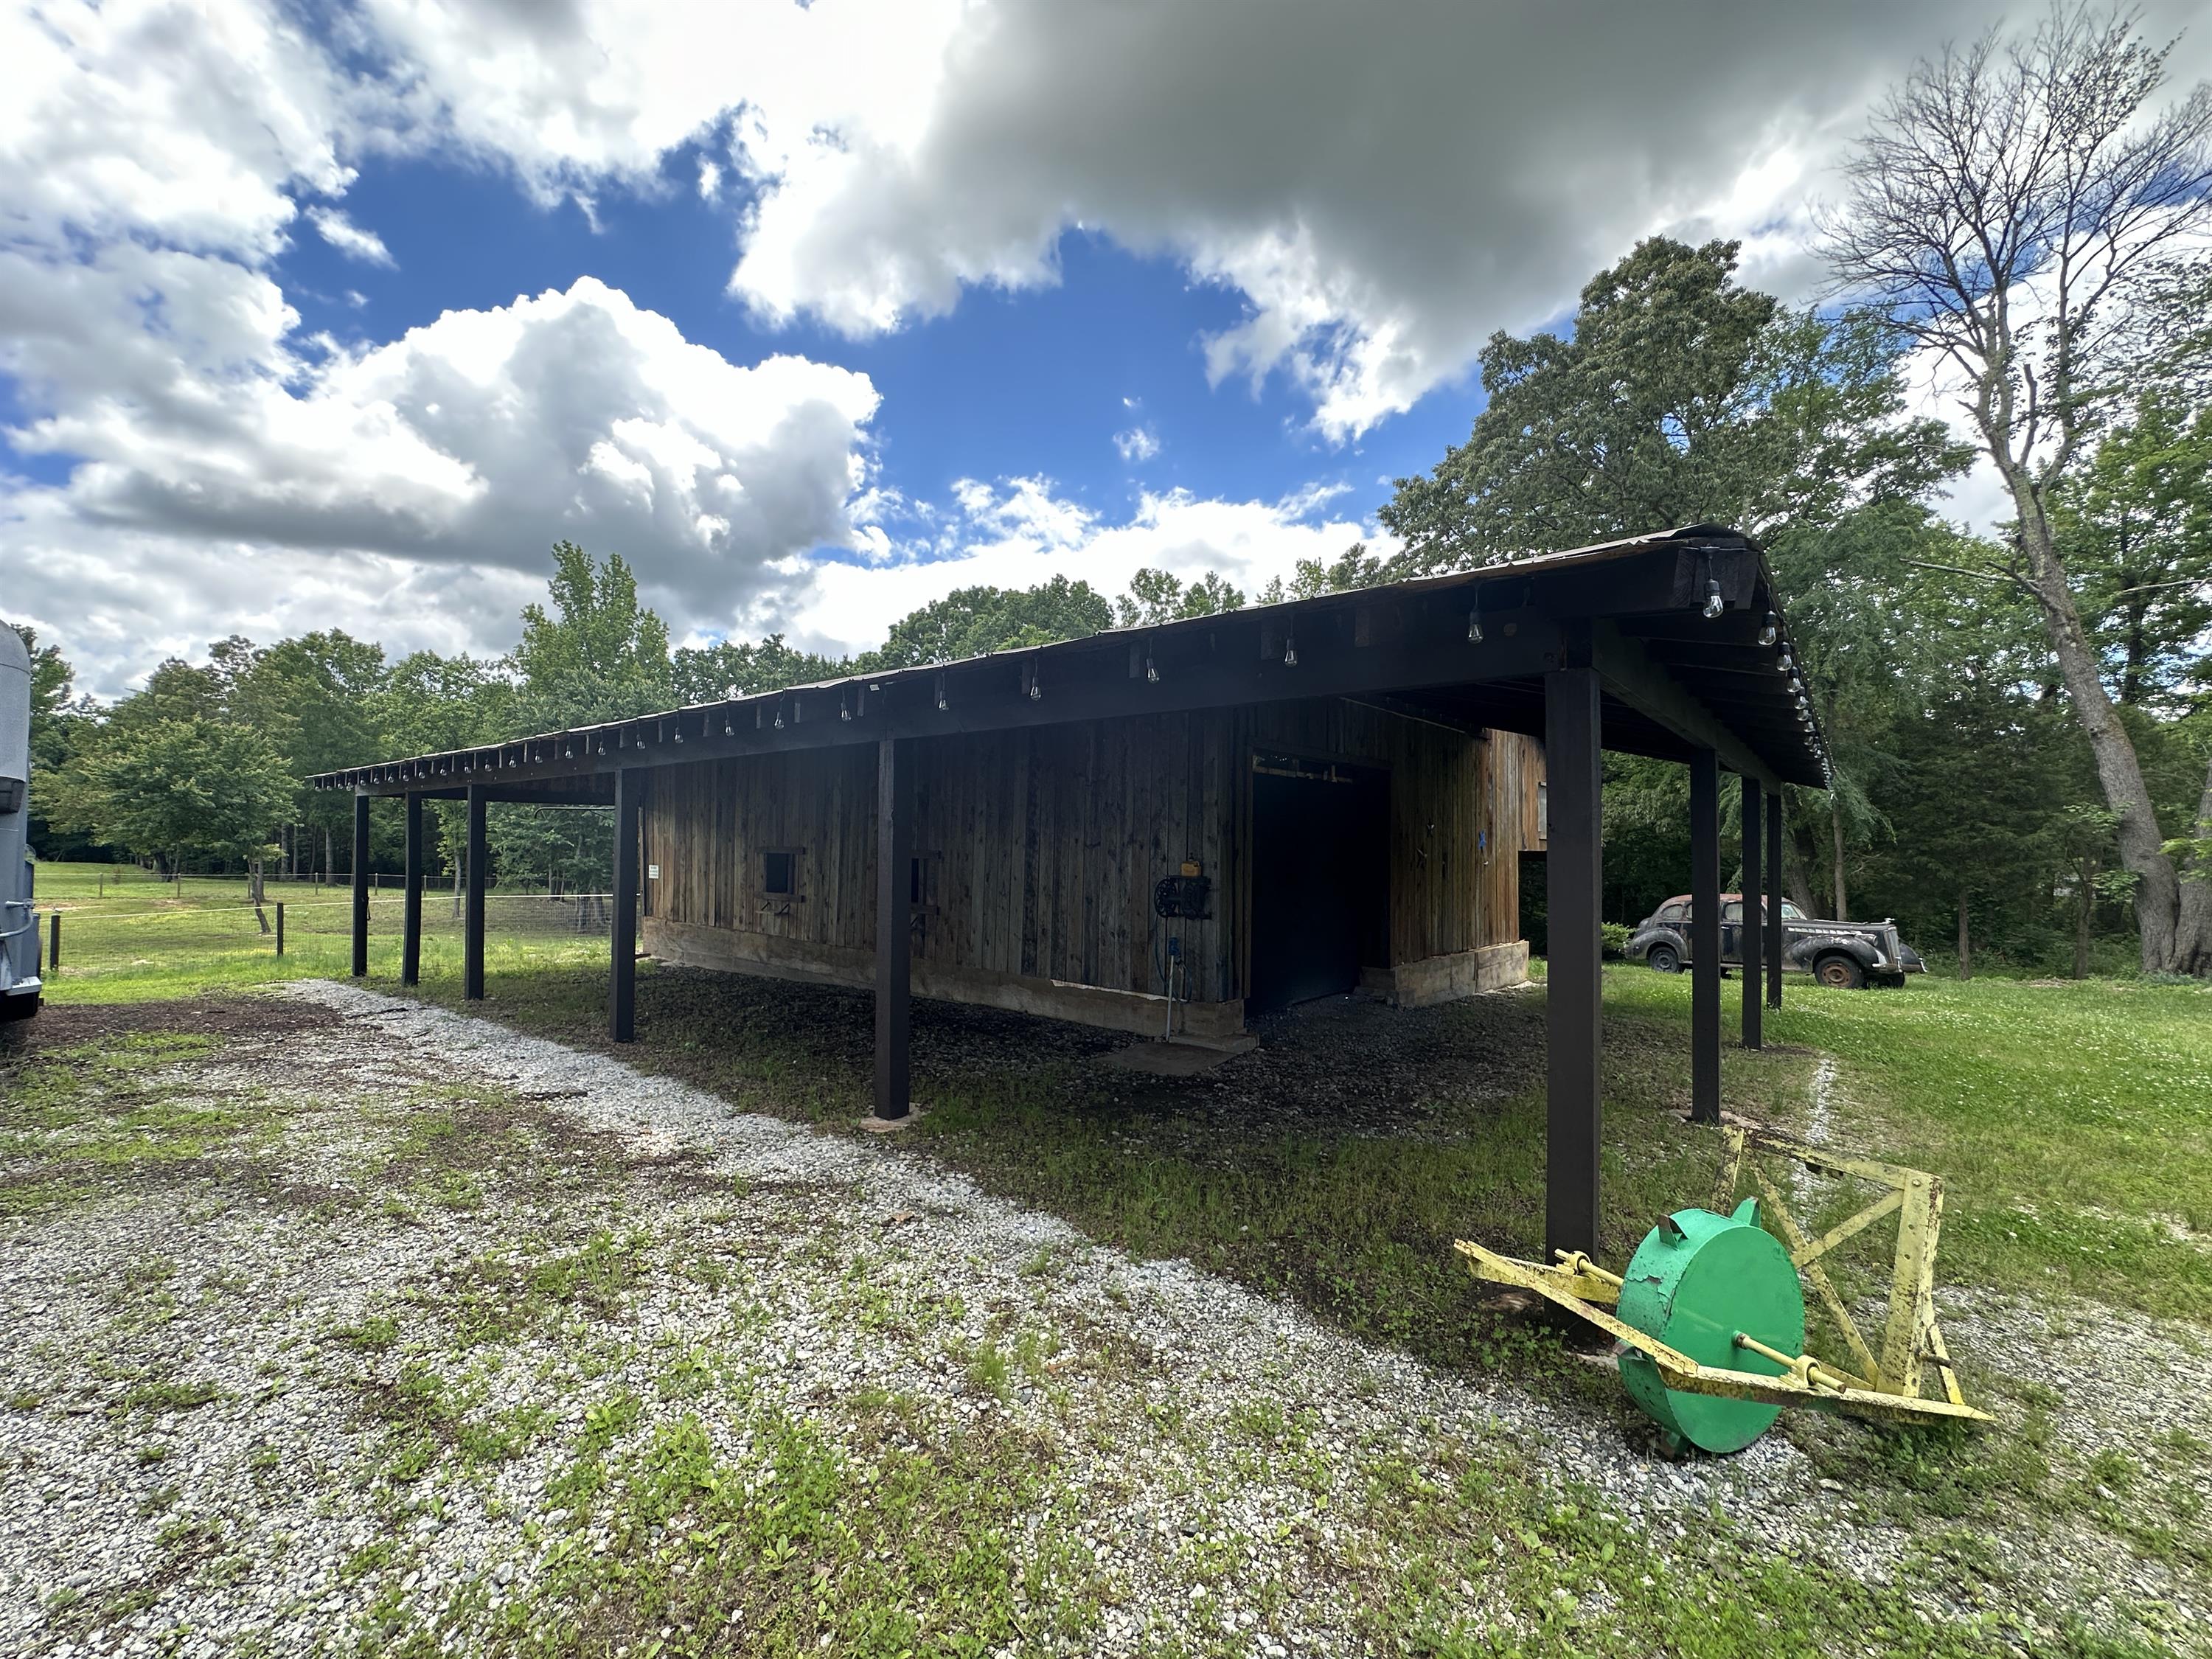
1705 936
54 940
894 922
410 901
1774 934
280 928
472 902
622 946
1754 931
359 886
1574 981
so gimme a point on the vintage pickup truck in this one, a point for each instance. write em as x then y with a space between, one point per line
1845 954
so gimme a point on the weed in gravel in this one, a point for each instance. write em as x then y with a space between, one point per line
170 1394
793 1545
374 1333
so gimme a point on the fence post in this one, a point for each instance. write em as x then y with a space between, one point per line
54 943
280 928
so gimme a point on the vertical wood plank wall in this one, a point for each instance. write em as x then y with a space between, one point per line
1040 847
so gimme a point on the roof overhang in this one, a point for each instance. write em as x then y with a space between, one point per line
1683 629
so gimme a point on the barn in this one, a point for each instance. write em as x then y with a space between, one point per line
1170 829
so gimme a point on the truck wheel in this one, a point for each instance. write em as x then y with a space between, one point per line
1841 972
1662 958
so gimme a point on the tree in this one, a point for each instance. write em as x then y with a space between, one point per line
1353 568
316 700
59 725
178 786
970 621
1155 597
2135 526
1680 398
429 705
598 655
2010 208
729 667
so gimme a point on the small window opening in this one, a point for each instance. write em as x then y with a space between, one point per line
780 872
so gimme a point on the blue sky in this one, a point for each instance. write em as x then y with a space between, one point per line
337 314
1011 383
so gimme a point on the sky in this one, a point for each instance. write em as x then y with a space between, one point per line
339 315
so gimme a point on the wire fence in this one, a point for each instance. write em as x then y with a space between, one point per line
89 941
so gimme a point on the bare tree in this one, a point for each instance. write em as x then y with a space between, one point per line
2012 206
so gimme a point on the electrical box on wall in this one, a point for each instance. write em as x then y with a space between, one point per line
1185 895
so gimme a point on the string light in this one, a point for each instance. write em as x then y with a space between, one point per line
1767 635
1474 628
1713 602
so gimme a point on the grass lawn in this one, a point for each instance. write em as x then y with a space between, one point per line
127 936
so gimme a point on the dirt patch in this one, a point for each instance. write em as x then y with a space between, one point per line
64 1025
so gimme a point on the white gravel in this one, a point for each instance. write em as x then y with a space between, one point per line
232 1525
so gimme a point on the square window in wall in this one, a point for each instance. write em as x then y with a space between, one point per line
780 870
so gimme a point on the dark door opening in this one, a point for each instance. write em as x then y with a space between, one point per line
1321 878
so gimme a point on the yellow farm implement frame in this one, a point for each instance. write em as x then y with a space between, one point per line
1888 1385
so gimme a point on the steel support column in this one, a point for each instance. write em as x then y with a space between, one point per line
1754 931
1774 901
1705 938
894 921
359 886
622 934
1573 1014
410 901
472 901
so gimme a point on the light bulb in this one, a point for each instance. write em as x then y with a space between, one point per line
1474 629
1767 635
1712 600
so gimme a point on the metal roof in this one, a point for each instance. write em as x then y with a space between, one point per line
1695 651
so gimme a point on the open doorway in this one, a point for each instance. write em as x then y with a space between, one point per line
1321 878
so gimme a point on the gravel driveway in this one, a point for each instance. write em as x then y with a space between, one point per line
361 1326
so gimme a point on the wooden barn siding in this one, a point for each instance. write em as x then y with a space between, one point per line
1045 843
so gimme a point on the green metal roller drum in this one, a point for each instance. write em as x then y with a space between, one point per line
1695 1281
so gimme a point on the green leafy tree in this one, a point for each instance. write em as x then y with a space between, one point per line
733 667
178 788
2135 526
598 654
1678 398
1155 597
1353 568
316 699
429 704
59 724
970 621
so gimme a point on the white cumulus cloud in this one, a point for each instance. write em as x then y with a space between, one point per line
1019 532
354 241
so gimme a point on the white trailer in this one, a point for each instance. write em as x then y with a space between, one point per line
19 924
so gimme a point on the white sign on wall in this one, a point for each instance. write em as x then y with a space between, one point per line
653 873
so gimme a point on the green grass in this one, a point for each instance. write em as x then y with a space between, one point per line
128 937
2071 1123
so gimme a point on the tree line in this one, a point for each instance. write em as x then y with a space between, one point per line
2020 724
